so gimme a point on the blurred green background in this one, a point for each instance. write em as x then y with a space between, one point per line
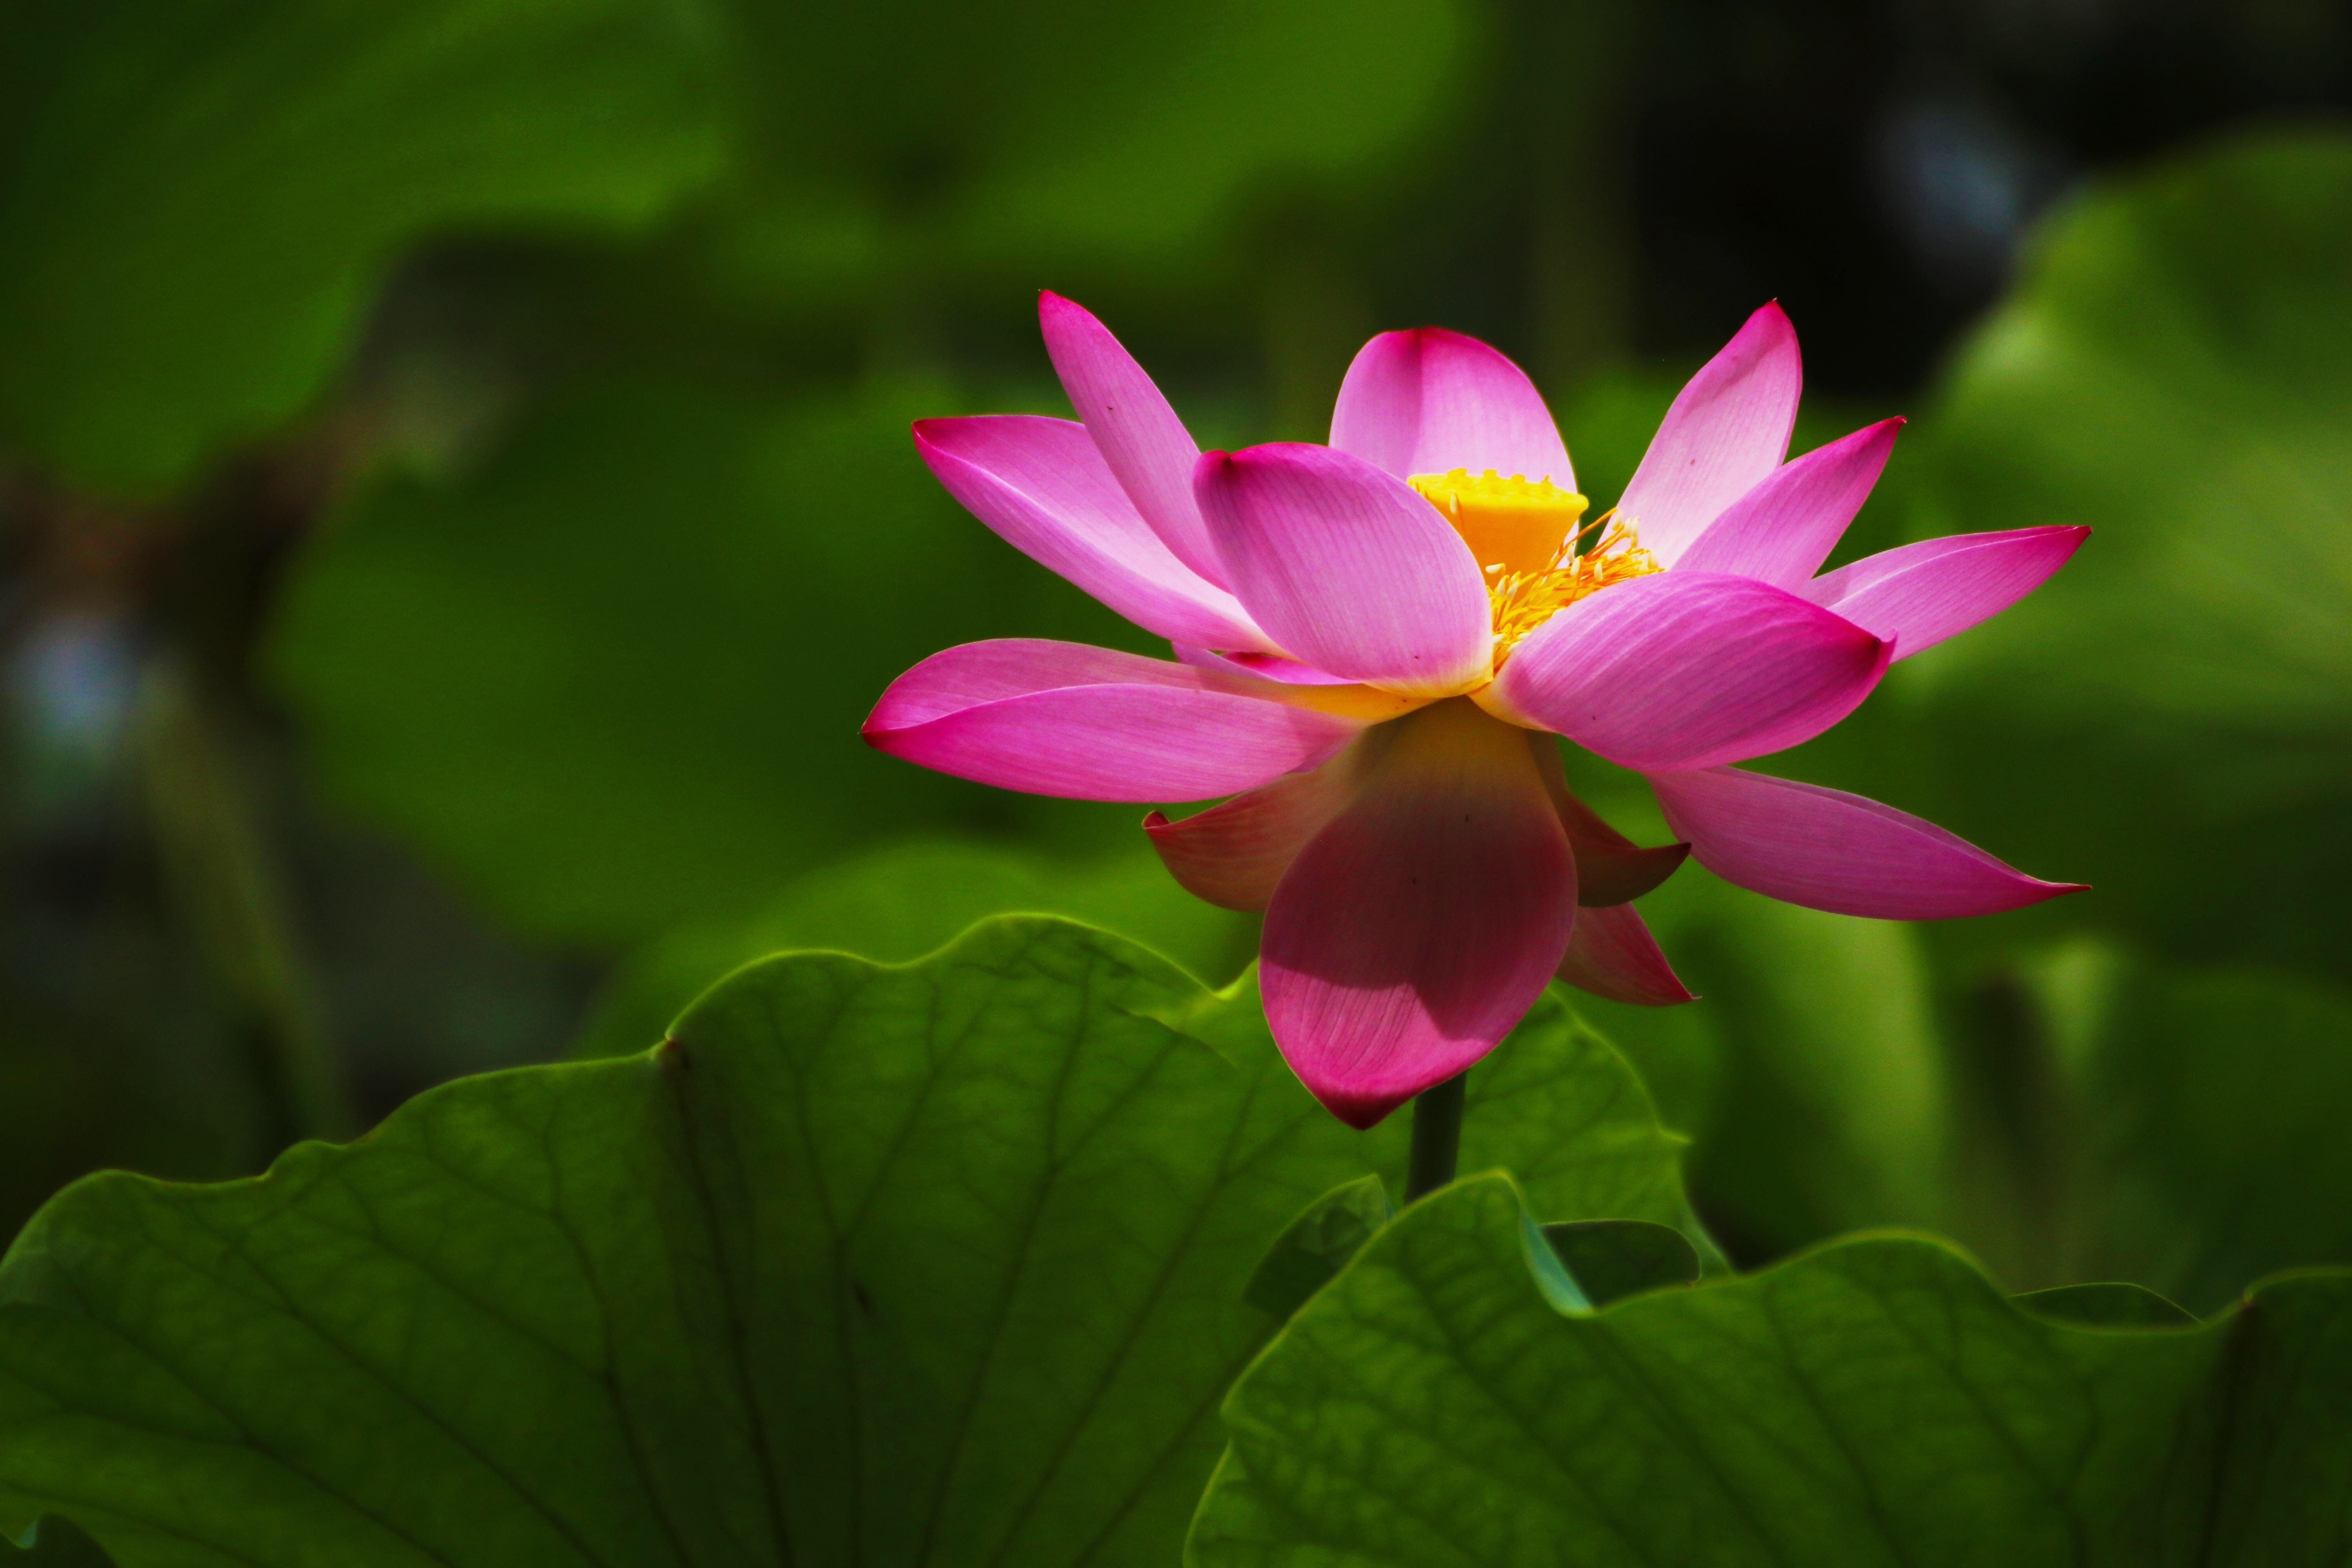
457 508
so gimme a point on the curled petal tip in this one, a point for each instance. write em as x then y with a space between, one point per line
1612 955
1610 874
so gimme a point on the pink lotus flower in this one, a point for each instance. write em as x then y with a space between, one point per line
1377 641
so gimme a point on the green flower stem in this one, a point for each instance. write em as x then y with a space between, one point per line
1437 1136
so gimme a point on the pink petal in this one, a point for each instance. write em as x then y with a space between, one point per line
1417 928
1726 431
1233 855
1613 955
1781 531
1608 875
1915 595
1265 665
1090 724
1829 851
1686 669
1429 401
1041 485
1348 568
1611 869
1146 447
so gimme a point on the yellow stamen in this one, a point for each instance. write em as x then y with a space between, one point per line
1524 536
1526 600
1508 521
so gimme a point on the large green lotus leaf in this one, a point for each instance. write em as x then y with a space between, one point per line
937 1263
1876 1402
902 901
614 680
2166 719
200 196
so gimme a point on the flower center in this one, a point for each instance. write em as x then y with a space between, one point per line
1524 536
1526 600
1510 522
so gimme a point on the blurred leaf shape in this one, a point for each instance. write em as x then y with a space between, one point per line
2107 1304
612 681
1874 1402
1810 1073
1318 1244
200 197
898 902
2166 718
2075 1114
903 137
55 1544
2205 1132
944 1262
1609 1259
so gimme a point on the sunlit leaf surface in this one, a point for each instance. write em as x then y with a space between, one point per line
1873 1403
944 1263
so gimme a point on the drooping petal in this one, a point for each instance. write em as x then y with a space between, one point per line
1233 855
1613 955
1781 531
1686 669
1726 431
1044 488
1347 568
1146 447
1830 850
1410 935
1611 869
1090 724
1915 595
1265 665
1608 874
1429 401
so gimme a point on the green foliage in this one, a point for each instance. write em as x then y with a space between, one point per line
944 1262
900 902
614 680
202 198
1609 1259
1875 1401
2107 1304
2072 1113
902 140
1317 1244
2199 1144
1812 1074
55 1544
2165 719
